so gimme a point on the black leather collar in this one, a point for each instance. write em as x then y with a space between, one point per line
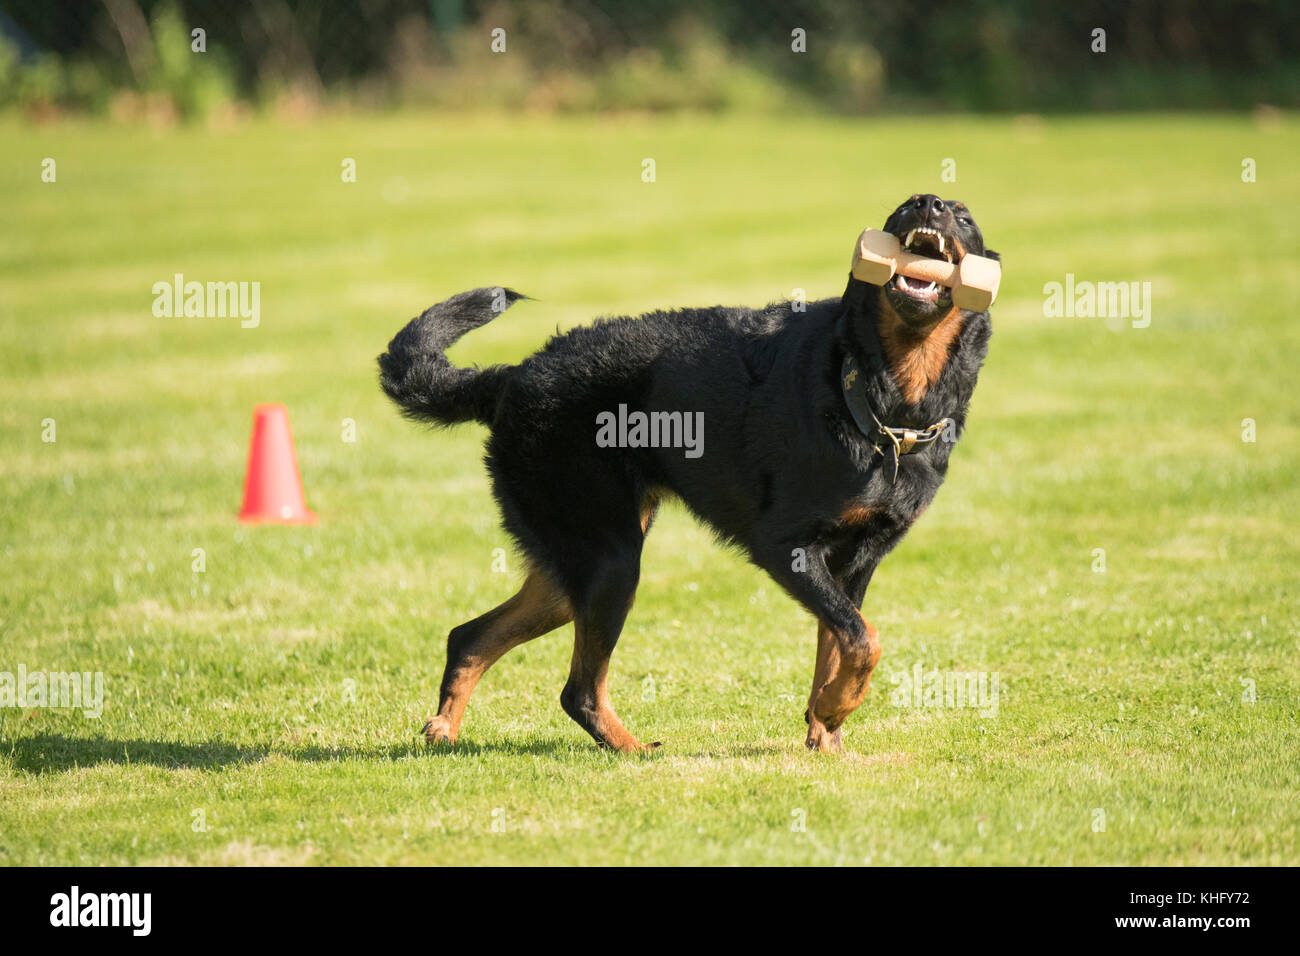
901 441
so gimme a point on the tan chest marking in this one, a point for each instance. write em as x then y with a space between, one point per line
916 361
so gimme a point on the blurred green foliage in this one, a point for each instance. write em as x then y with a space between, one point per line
604 55
177 82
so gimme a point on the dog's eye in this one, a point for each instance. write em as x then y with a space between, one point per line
964 220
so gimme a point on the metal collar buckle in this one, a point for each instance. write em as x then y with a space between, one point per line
901 441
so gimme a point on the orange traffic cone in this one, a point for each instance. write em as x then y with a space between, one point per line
272 488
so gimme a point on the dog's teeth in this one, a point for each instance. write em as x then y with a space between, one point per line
910 236
940 244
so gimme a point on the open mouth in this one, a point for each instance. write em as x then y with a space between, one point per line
931 244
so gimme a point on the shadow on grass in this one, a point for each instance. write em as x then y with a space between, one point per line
51 753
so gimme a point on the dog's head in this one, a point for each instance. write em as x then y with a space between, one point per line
938 229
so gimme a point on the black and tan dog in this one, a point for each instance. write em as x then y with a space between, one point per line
828 433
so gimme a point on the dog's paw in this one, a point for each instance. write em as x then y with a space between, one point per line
438 730
823 740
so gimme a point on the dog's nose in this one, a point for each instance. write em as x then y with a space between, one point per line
929 206
928 203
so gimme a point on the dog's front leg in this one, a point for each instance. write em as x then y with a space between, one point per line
847 646
840 682
828 662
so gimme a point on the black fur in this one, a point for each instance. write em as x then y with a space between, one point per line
415 373
782 458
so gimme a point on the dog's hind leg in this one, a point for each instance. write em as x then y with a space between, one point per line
599 618
473 647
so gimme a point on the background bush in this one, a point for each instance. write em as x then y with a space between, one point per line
580 55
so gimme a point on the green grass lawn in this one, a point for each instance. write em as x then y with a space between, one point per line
1147 714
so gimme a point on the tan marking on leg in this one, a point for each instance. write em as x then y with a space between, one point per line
649 508
598 716
842 677
856 514
828 656
539 607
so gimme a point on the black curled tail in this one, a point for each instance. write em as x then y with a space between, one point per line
416 374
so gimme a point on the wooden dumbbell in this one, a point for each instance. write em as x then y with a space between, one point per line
974 280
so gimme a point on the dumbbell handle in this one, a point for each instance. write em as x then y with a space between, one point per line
868 265
928 270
